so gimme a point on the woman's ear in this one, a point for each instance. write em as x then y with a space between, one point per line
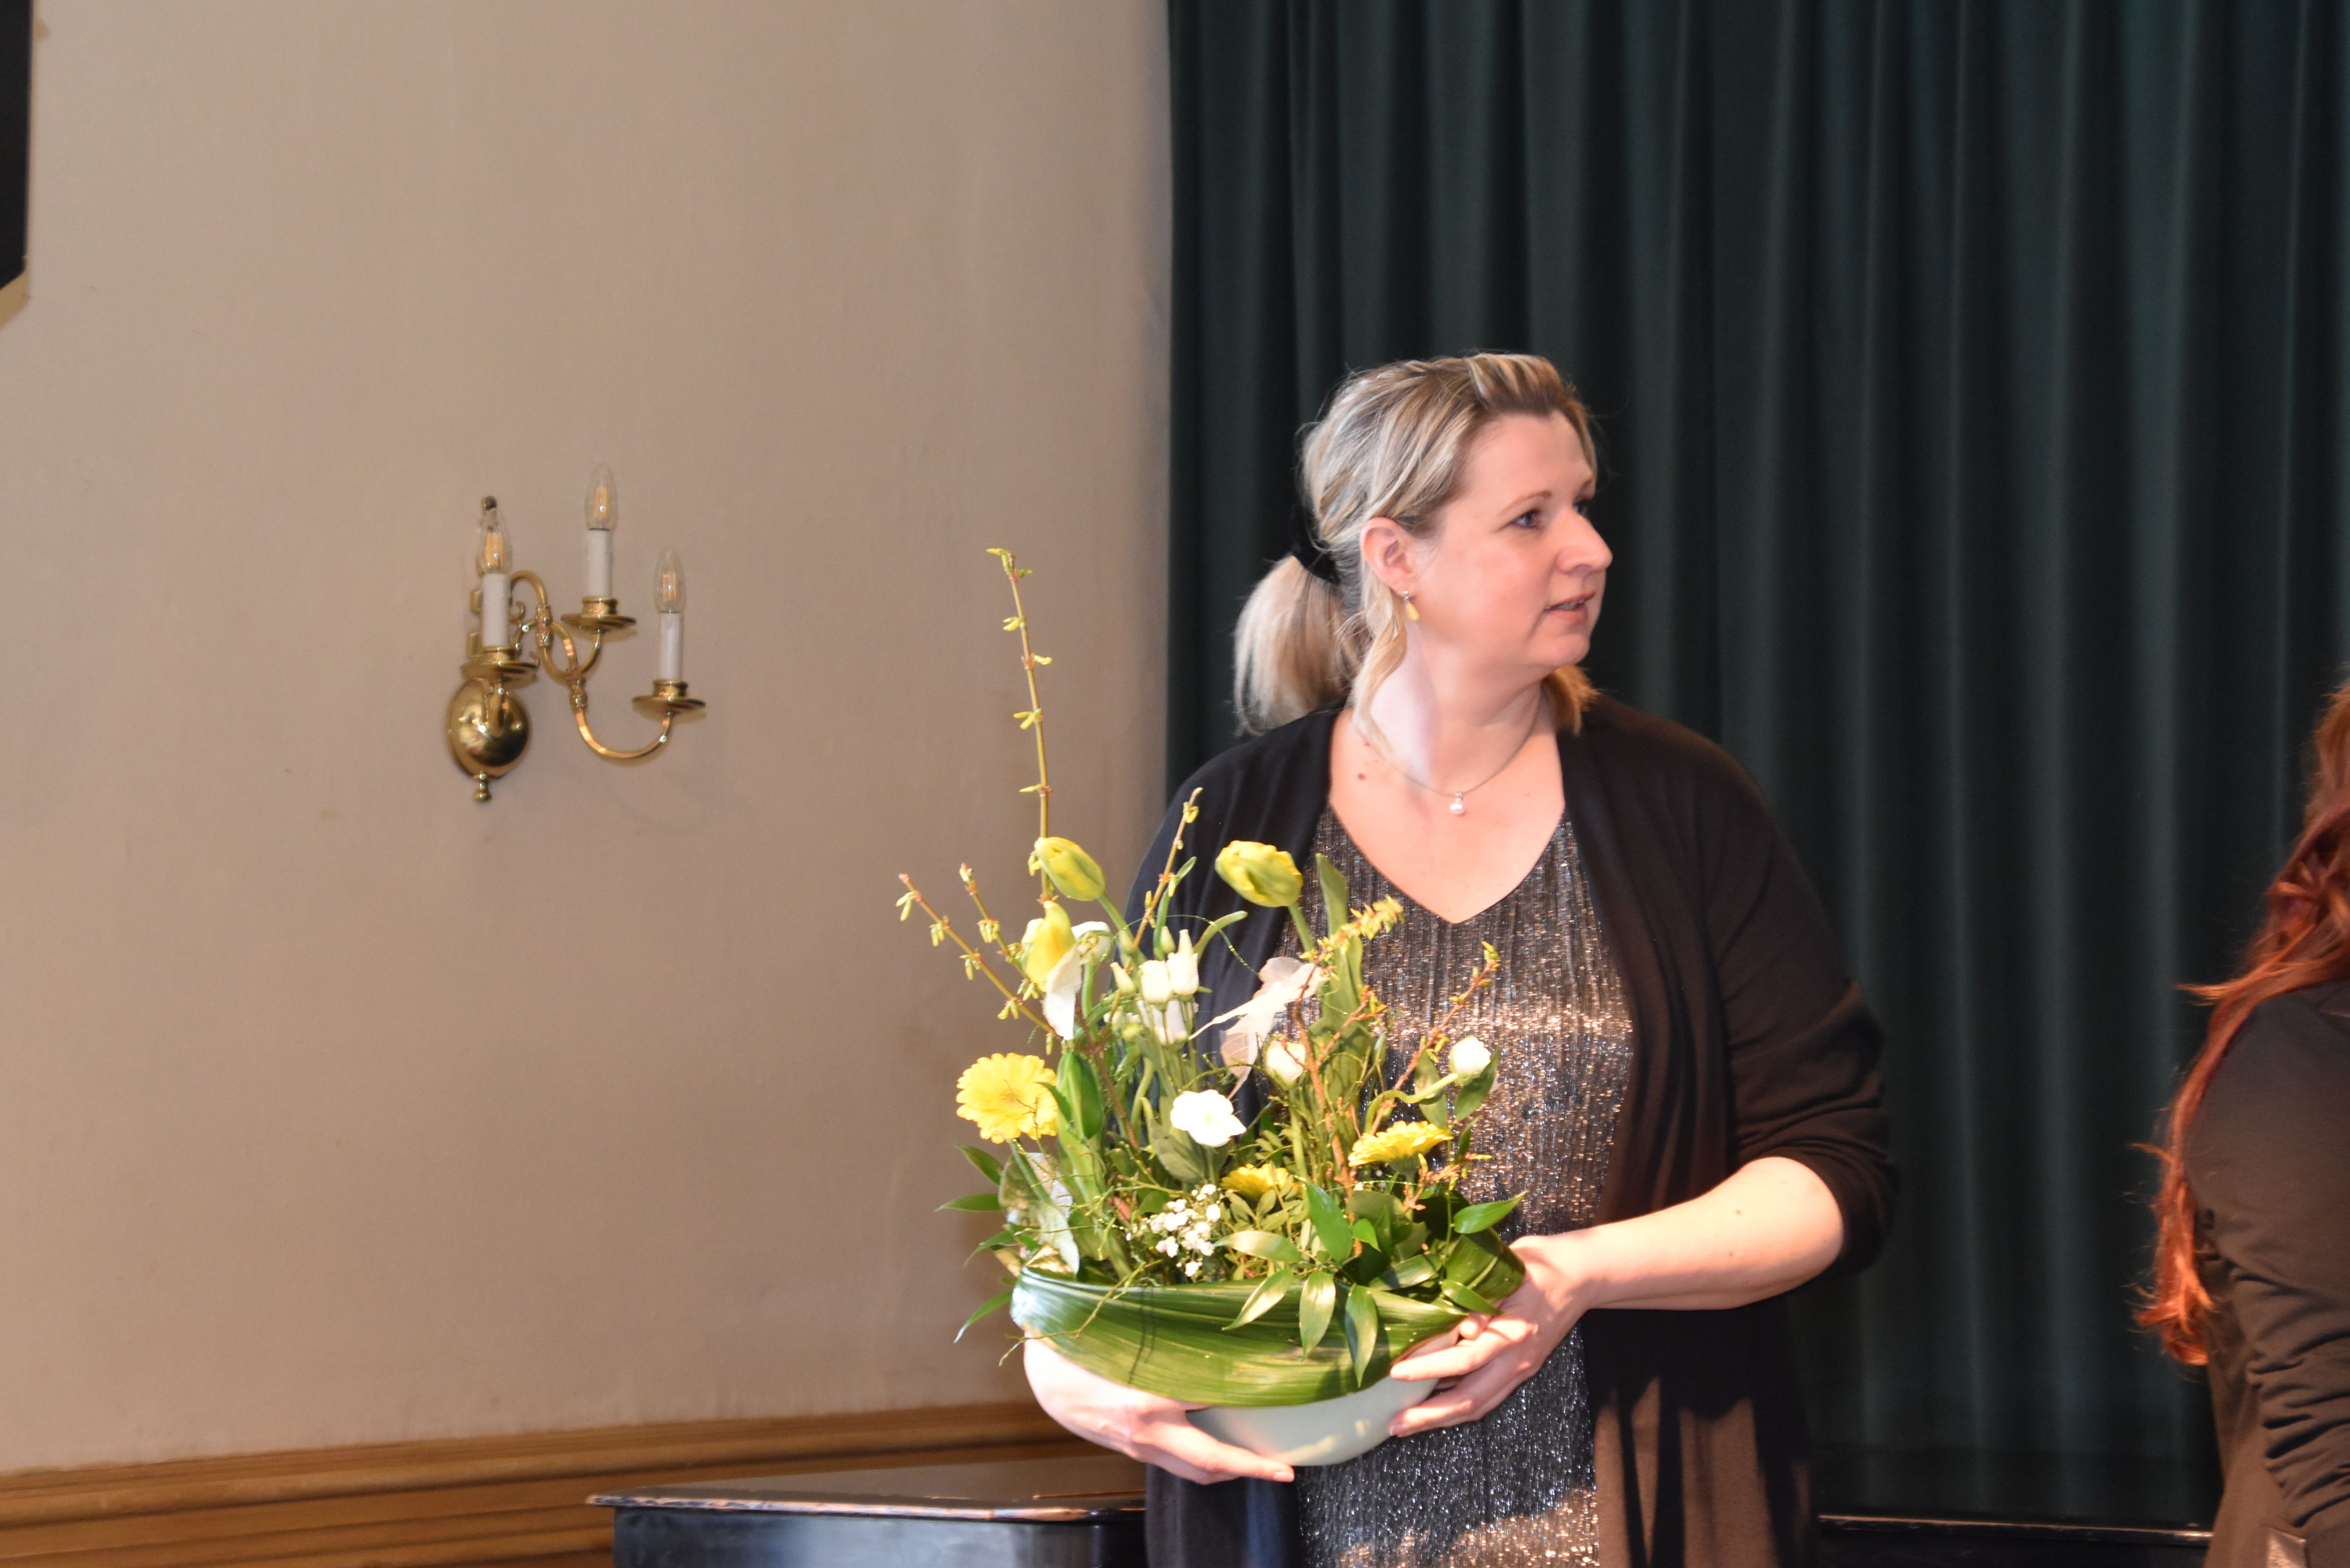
1387 554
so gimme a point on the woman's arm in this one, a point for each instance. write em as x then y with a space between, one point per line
2269 1159
1147 1426
1772 1225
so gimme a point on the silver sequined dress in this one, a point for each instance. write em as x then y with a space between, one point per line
1517 1487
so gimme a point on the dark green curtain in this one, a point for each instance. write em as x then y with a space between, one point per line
1970 384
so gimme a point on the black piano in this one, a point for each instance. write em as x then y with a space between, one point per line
1877 1511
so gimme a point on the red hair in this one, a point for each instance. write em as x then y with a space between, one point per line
2304 941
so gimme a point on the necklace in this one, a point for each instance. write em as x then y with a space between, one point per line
1459 806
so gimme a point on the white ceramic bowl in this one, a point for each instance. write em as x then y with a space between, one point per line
1323 1433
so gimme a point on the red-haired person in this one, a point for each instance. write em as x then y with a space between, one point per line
2252 1265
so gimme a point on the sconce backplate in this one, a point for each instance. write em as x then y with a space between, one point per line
489 730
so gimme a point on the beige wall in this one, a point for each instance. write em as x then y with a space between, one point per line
337 1107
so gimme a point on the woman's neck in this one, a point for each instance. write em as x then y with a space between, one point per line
1448 728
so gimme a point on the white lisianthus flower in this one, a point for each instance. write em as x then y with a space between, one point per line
1282 982
1471 1057
1157 988
1183 968
1125 980
1169 1022
1091 941
1282 1060
1238 1050
1207 1116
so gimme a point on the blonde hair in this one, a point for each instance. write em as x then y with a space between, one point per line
1391 444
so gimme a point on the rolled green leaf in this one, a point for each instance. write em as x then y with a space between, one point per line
1178 1341
1467 1300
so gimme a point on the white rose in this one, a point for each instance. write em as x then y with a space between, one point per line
1208 1116
1280 1059
1469 1057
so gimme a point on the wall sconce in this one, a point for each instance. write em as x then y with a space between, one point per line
489 729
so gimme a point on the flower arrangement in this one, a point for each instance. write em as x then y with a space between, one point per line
1157 1231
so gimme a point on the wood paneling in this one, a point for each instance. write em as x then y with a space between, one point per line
465 1502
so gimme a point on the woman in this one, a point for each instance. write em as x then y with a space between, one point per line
2253 1260
1688 1090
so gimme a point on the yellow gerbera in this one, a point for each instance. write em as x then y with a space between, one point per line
1005 1095
1254 1181
1400 1141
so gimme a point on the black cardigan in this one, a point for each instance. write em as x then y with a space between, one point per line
2268 1157
1748 1040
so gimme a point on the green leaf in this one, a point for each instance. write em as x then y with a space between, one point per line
1362 1232
1315 1301
977 1203
1001 1299
1467 1300
1334 895
1183 1157
1362 1331
1411 1272
1329 1224
1472 1094
1266 1297
1264 1244
1085 1096
1484 1216
985 1163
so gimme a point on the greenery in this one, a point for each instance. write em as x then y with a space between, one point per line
1154 1234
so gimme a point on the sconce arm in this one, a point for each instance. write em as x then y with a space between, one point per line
544 629
611 754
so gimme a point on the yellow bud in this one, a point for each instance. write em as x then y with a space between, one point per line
1260 873
1048 940
1073 871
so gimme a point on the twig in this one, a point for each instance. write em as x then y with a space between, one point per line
941 926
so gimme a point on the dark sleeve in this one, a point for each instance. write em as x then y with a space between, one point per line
2269 1161
1802 1045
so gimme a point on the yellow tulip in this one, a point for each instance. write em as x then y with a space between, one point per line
1073 871
1260 873
1048 940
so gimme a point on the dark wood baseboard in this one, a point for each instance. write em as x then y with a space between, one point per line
459 1502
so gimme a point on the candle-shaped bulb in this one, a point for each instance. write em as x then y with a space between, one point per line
603 499
668 599
603 512
495 555
494 561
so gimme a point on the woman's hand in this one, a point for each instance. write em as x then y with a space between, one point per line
1147 1426
1493 1355
1770 1227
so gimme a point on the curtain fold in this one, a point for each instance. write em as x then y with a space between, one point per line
1970 379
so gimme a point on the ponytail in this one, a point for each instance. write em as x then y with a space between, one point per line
1295 651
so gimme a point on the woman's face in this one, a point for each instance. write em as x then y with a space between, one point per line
1512 572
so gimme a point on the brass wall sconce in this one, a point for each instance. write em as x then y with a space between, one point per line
489 729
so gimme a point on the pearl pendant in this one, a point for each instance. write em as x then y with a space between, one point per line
1459 807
